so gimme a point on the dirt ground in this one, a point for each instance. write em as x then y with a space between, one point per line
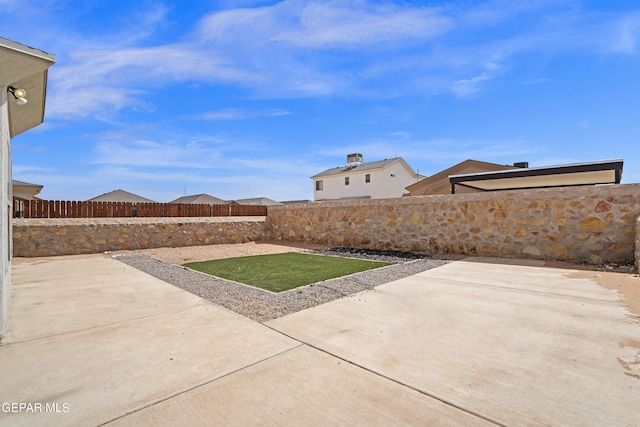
622 279
627 284
204 253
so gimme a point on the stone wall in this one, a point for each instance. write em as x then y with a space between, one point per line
51 237
593 224
638 245
582 224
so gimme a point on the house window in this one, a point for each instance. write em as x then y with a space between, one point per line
346 180
367 178
319 185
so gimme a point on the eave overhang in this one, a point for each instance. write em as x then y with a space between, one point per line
592 173
26 68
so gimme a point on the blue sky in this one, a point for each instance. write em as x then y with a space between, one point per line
245 98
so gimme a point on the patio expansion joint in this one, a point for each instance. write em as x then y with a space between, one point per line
201 384
163 313
409 386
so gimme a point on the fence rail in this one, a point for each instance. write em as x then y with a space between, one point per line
73 209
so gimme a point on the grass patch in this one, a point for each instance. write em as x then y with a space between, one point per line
281 272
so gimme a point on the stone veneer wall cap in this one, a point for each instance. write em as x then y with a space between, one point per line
134 221
559 192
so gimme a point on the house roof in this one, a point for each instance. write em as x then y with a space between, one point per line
120 196
24 67
25 190
203 198
257 201
439 182
380 164
591 173
293 202
17 183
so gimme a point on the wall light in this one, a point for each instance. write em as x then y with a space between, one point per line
19 94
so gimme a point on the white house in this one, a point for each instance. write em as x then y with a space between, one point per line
23 83
381 179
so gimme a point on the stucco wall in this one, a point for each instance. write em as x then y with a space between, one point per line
586 224
5 211
51 237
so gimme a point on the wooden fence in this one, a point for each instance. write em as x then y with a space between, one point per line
72 209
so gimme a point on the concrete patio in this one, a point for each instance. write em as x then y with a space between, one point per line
93 341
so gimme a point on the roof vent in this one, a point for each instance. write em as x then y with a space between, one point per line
521 164
354 159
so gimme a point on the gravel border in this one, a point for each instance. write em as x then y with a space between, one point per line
262 305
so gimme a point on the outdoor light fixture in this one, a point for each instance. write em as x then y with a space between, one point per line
19 94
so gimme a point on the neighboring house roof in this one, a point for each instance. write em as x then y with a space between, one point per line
439 183
196 199
25 190
121 196
359 168
292 202
588 173
17 183
257 201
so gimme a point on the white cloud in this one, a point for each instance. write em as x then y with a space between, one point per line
341 48
28 170
535 81
279 179
349 24
110 80
146 23
466 87
242 114
82 100
401 134
171 184
144 153
328 24
437 153
274 43
275 166
626 35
